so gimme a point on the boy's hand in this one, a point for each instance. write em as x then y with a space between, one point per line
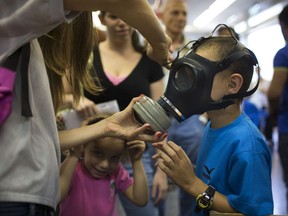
175 163
136 149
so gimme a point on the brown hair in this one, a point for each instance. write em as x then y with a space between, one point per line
135 38
66 50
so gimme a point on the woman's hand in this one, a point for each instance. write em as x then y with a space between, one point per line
85 108
161 53
124 125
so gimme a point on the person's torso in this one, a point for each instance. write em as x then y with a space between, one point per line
30 146
89 196
136 83
235 159
281 61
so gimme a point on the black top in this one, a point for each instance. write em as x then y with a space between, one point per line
137 82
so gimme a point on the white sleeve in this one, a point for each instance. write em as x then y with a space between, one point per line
24 20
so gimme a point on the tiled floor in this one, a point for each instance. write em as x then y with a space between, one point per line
278 187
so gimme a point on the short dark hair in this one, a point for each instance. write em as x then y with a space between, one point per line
283 16
232 30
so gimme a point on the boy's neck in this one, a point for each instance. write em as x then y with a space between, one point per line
223 117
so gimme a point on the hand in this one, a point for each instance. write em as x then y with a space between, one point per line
136 149
161 53
79 149
85 108
77 152
124 125
159 186
175 163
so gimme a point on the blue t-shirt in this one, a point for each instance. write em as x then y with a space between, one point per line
281 61
236 160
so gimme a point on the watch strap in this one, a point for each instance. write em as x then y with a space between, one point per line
205 199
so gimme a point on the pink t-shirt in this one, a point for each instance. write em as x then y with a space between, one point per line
94 197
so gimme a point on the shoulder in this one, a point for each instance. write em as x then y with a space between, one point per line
281 57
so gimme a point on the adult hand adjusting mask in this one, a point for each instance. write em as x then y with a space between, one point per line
189 86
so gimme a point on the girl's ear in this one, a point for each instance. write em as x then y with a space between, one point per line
235 83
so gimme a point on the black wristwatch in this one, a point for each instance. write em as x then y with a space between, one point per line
205 200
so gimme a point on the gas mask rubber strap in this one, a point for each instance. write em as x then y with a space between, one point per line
245 94
229 99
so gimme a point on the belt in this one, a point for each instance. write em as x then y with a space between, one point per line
39 209
31 209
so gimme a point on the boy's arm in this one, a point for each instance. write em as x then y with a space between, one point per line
66 172
184 176
138 192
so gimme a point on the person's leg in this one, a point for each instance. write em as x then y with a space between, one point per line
161 207
186 204
14 209
150 209
283 153
132 210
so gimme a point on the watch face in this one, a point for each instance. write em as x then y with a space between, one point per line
204 202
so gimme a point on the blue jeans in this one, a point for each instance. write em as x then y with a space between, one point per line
24 209
132 210
283 153
150 209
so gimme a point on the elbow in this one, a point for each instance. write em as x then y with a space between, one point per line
142 203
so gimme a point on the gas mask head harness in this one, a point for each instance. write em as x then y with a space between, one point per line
189 86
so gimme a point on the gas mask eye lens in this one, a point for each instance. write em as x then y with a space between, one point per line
184 78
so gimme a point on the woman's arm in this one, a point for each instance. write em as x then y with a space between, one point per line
122 125
136 13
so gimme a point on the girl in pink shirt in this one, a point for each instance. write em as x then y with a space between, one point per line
89 184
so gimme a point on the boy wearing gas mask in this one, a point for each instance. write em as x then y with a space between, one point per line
233 169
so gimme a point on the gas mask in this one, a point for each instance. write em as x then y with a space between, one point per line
189 86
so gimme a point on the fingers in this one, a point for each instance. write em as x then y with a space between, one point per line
179 151
158 194
163 158
144 133
170 155
161 196
167 149
133 101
